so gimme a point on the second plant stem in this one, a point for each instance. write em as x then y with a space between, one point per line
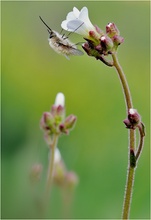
131 170
51 163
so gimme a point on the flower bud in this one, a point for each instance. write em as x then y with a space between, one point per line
35 173
134 117
47 121
68 124
127 123
91 49
112 30
71 180
58 111
106 43
70 121
118 40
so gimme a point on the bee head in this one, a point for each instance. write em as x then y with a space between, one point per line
51 33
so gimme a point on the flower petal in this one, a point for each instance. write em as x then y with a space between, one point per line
74 24
76 12
78 27
73 14
64 25
60 99
83 14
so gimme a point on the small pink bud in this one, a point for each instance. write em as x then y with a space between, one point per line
106 43
71 180
58 113
35 173
118 40
68 124
70 121
87 48
94 36
134 117
47 120
91 49
127 123
133 120
112 30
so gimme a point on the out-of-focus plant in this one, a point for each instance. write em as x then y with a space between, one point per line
54 124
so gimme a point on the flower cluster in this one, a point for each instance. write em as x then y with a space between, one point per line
55 122
98 43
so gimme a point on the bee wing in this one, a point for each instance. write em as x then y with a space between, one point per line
76 52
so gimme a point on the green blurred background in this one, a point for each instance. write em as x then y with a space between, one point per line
32 75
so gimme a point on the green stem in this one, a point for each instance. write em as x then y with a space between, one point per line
123 81
141 142
128 193
51 163
49 174
131 170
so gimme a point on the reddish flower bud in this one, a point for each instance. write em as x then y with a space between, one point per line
127 123
118 40
112 30
106 43
71 180
35 173
70 121
47 121
134 117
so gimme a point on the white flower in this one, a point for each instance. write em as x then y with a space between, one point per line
60 99
78 22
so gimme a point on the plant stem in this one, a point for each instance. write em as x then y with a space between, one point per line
131 170
51 163
123 80
141 142
52 146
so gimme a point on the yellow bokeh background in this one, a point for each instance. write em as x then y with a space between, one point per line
97 148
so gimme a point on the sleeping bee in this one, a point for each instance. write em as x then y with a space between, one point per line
60 44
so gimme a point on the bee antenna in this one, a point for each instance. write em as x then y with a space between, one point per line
49 29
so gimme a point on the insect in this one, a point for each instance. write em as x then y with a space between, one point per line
60 43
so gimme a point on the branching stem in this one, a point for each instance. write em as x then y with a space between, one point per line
131 170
